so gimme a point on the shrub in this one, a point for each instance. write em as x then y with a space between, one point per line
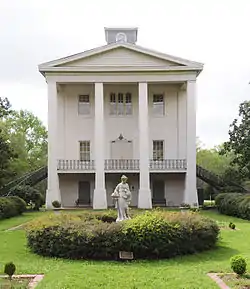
20 204
154 234
56 204
29 195
11 206
9 269
234 204
232 225
238 264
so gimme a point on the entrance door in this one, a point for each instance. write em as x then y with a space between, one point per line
159 192
84 193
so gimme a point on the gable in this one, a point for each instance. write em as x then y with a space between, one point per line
120 57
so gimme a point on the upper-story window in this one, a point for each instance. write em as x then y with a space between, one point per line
158 150
84 150
121 103
158 104
83 104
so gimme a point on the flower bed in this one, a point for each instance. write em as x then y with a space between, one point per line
155 234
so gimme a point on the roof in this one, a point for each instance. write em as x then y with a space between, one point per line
63 64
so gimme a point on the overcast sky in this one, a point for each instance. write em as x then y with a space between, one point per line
214 32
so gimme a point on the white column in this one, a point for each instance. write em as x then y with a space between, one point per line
190 196
144 198
100 196
53 191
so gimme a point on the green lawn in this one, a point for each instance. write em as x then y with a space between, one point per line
180 273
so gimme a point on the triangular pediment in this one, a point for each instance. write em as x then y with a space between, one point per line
119 56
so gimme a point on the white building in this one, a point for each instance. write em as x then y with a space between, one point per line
121 109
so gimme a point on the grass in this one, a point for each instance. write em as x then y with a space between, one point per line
187 272
16 221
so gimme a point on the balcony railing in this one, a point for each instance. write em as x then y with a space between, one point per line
75 165
124 165
168 165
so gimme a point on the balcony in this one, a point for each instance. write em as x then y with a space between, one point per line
168 165
75 165
122 165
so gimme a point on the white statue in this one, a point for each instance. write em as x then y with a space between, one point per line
122 195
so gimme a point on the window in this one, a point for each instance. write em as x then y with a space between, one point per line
83 104
84 150
158 104
158 151
121 104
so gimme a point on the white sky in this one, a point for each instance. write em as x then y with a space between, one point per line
214 32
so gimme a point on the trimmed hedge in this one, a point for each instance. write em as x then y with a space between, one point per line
148 235
234 204
11 206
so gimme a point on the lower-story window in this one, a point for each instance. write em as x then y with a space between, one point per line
158 150
84 150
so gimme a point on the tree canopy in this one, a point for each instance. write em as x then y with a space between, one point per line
23 142
239 140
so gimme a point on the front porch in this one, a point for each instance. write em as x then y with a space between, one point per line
77 189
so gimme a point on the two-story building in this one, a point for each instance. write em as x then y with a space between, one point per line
121 109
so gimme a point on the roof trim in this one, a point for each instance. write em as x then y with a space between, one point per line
45 66
113 68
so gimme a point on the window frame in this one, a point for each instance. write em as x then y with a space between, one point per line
120 104
154 105
156 151
84 150
84 102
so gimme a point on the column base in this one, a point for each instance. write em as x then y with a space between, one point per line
52 195
100 199
190 193
144 199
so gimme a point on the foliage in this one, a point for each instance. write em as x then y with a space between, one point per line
234 204
9 269
28 138
212 160
5 107
10 207
56 204
156 234
239 139
238 264
30 195
20 204
184 205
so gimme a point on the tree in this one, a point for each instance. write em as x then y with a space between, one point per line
28 137
239 140
7 154
211 160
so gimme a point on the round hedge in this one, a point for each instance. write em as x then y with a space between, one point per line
234 204
154 234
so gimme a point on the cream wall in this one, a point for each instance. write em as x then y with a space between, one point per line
69 187
73 127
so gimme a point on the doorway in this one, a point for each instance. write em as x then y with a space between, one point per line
84 193
159 192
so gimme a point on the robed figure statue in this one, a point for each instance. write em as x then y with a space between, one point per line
122 196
